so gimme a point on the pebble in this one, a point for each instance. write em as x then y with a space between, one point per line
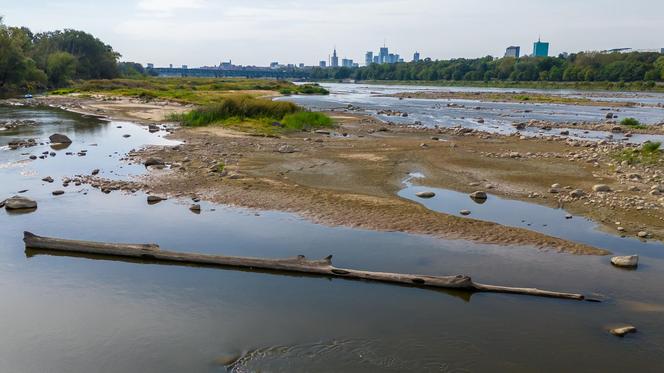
464 212
623 330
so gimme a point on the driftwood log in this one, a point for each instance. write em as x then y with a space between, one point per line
299 264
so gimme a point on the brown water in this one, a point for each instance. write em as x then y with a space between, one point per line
67 314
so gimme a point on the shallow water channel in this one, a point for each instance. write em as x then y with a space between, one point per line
69 314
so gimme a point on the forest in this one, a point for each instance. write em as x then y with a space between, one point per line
37 61
576 67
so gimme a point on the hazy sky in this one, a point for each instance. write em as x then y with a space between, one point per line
205 32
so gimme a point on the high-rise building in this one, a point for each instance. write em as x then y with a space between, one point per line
376 59
416 57
334 62
150 66
661 51
346 62
384 54
322 64
513 51
368 58
540 49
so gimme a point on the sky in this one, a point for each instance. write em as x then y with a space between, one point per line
257 32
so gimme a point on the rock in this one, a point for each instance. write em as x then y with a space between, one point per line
322 132
479 195
286 149
601 188
564 133
152 128
59 139
464 212
623 330
609 115
154 162
426 194
58 192
195 208
631 261
577 193
20 203
480 121
48 179
616 129
155 199
126 135
643 234
568 216
95 172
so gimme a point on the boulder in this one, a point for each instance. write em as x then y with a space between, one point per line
154 162
577 193
601 188
426 194
155 199
480 195
20 203
623 330
630 261
59 139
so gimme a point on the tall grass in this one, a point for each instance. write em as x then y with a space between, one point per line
238 107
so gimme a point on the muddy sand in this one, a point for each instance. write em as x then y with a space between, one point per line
351 175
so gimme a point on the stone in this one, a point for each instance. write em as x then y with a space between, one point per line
152 128
58 192
480 195
95 172
59 139
155 199
623 330
286 149
609 115
643 234
48 179
20 203
426 194
601 188
464 212
195 208
630 261
126 135
154 162
564 133
577 193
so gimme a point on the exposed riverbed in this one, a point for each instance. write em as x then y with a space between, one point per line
80 315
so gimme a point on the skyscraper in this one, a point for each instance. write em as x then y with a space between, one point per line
384 53
513 51
368 58
335 60
416 57
540 49
322 64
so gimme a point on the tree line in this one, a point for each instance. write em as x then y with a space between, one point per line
32 62
576 67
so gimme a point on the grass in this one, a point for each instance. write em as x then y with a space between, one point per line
254 115
199 91
632 122
649 153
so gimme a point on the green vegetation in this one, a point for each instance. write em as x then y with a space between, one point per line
649 153
579 67
632 122
255 115
199 91
30 62
305 89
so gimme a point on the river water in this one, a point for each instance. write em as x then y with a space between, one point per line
68 314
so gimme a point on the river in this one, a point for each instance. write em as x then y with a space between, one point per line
68 314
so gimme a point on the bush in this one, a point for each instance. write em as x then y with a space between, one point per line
632 122
650 147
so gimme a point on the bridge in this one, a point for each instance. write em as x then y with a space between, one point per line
239 73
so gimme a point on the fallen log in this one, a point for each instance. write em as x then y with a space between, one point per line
299 264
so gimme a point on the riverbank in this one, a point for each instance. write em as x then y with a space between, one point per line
582 86
351 175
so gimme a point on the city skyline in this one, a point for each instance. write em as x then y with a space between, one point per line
207 31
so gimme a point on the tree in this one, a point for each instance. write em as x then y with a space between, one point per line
61 68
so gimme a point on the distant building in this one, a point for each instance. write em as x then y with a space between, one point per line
661 51
150 66
513 51
301 66
335 60
368 58
376 59
322 64
170 65
346 62
274 65
540 49
416 57
185 67
355 64
384 53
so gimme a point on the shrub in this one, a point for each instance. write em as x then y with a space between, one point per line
240 107
306 120
632 122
